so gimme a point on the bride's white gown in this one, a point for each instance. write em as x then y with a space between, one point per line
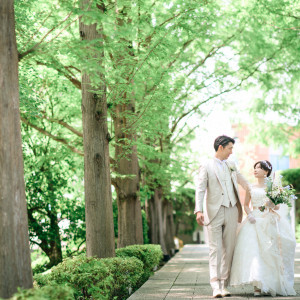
264 252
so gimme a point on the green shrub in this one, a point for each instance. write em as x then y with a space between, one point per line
104 278
41 279
40 261
292 176
45 293
126 273
39 268
150 255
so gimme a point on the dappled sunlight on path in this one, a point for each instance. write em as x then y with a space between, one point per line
186 276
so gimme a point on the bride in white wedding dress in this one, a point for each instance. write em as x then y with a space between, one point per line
265 246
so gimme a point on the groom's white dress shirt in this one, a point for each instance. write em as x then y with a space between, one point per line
229 196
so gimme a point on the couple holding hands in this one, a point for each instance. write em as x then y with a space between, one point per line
262 252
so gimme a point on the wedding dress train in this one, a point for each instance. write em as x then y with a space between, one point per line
264 252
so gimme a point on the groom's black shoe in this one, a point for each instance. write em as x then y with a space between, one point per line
217 293
225 293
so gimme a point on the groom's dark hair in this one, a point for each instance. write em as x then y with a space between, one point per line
222 140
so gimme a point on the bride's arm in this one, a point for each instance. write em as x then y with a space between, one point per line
247 209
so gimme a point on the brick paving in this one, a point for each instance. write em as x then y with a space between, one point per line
186 276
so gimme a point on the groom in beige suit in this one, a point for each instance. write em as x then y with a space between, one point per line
219 208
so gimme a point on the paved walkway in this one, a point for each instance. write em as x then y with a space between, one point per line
186 276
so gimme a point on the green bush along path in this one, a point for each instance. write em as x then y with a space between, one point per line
84 277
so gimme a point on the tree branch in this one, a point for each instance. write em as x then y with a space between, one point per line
219 94
188 133
149 38
55 138
38 209
22 55
31 38
185 45
213 51
62 30
210 54
62 123
71 253
175 16
36 243
71 78
280 14
58 139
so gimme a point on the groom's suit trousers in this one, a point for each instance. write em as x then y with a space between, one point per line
221 236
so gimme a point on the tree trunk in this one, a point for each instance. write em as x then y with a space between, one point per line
155 218
158 193
161 225
152 218
55 253
97 181
169 226
15 264
50 243
130 228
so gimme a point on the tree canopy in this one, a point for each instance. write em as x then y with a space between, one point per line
155 65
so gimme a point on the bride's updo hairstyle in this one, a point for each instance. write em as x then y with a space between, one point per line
265 165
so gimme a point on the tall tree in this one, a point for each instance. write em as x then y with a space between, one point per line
97 181
127 183
15 268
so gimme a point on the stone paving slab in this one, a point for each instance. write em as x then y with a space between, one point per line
186 276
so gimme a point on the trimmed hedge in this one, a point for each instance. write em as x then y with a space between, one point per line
150 255
84 277
45 293
103 278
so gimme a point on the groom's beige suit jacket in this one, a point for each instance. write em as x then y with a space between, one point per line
210 189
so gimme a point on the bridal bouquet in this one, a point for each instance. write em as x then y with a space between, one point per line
279 194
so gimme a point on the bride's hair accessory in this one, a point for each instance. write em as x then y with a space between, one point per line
268 164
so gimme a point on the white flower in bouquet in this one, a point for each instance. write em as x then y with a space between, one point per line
275 193
278 194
